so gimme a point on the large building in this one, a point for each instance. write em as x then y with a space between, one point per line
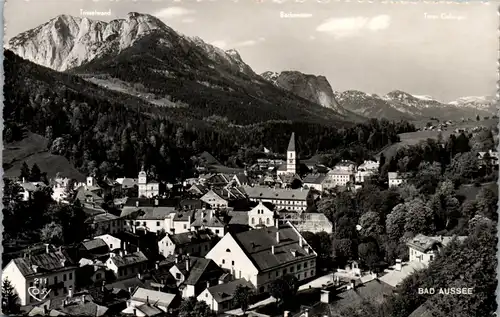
291 165
306 221
424 249
51 270
151 189
262 255
289 199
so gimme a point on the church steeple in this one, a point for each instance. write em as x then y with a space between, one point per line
291 157
291 144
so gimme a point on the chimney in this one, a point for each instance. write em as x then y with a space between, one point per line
276 223
147 300
277 237
121 253
137 203
70 292
24 180
294 253
157 265
398 265
188 263
139 276
325 296
208 284
176 258
63 262
308 250
130 291
352 285
83 299
125 252
134 228
47 248
189 220
272 249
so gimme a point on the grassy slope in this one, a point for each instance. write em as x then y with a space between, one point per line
33 149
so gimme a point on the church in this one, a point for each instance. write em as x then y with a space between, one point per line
291 167
148 190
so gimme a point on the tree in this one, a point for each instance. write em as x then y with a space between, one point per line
25 172
242 297
369 254
10 299
35 173
419 217
284 288
486 203
191 307
395 222
52 233
370 224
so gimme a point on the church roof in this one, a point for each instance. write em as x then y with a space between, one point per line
291 144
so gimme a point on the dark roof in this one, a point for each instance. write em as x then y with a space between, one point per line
201 269
94 244
132 282
238 218
150 202
129 259
291 144
225 292
257 245
75 307
154 297
147 213
206 218
261 192
374 292
199 187
242 178
184 215
314 178
189 238
45 262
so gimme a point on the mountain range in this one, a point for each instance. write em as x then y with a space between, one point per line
143 57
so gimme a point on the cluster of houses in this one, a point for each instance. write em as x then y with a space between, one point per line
149 252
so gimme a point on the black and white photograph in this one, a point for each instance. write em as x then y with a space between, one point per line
250 158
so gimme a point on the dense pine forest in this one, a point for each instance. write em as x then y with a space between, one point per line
114 134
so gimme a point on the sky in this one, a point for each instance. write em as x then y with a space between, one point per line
441 50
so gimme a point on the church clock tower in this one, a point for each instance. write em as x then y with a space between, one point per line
291 156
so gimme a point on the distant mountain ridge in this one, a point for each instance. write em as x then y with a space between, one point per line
145 58
395 105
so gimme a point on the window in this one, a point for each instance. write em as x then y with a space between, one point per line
144 223
223 261
64 277
431 257
178 276
70 276
305 274
185 226
206 294
291 269
232 262
217 231
137 223
299 266
284 271
55 279
253 221
312 272
110 246
267 221
305 264
157 223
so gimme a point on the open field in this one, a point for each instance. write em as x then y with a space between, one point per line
33 149
412 138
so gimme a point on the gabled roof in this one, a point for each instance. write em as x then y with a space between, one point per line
257 246
94 244
225 292
201 269
238 218
190 238
129 259
44 263
154 297
207 218
291 143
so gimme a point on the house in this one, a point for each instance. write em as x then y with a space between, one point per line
395 178
262 255
260 216
53 270
104 223
312 222
291 166
314 181
194 274
145 302
241 179
365 170
214 200
126 265
339 176
196 243
220 297
93 249
289 199
29 188
127 183
207 219
147 189
111 241
90 272
153 217
181 221
424 249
